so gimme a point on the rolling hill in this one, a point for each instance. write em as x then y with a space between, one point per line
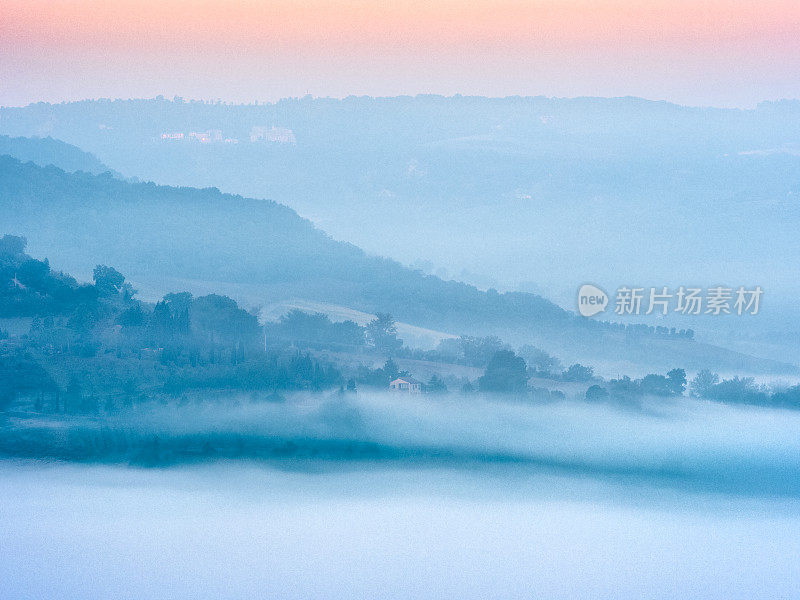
161 235
47 151
493 191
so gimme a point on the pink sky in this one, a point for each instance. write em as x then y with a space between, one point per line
721 52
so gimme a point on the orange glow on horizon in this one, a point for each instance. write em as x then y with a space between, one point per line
337 38
125 23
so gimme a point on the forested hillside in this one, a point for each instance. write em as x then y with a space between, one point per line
160 235
150 231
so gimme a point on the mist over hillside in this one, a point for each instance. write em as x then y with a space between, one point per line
167 238
164 232
494 191
47 151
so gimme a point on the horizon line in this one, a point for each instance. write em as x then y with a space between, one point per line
178 99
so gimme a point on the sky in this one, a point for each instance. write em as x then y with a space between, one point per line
700 52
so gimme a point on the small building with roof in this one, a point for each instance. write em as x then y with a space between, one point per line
406 384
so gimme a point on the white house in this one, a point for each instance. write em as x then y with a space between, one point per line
406 384
280 135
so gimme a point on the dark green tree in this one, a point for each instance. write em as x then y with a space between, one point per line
596 392
677 381
382 333
579 373
540 361
657 385
12 245
506 372
435 385
703 383
108 280
391 370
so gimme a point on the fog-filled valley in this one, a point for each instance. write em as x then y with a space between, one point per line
409 300
452 498
241 531
331 349
676 443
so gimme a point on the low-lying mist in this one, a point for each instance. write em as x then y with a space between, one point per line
676 442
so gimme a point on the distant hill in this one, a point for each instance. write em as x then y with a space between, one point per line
151 231
47 151
493 191
155 234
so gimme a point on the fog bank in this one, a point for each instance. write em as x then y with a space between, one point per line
679 442
242 531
